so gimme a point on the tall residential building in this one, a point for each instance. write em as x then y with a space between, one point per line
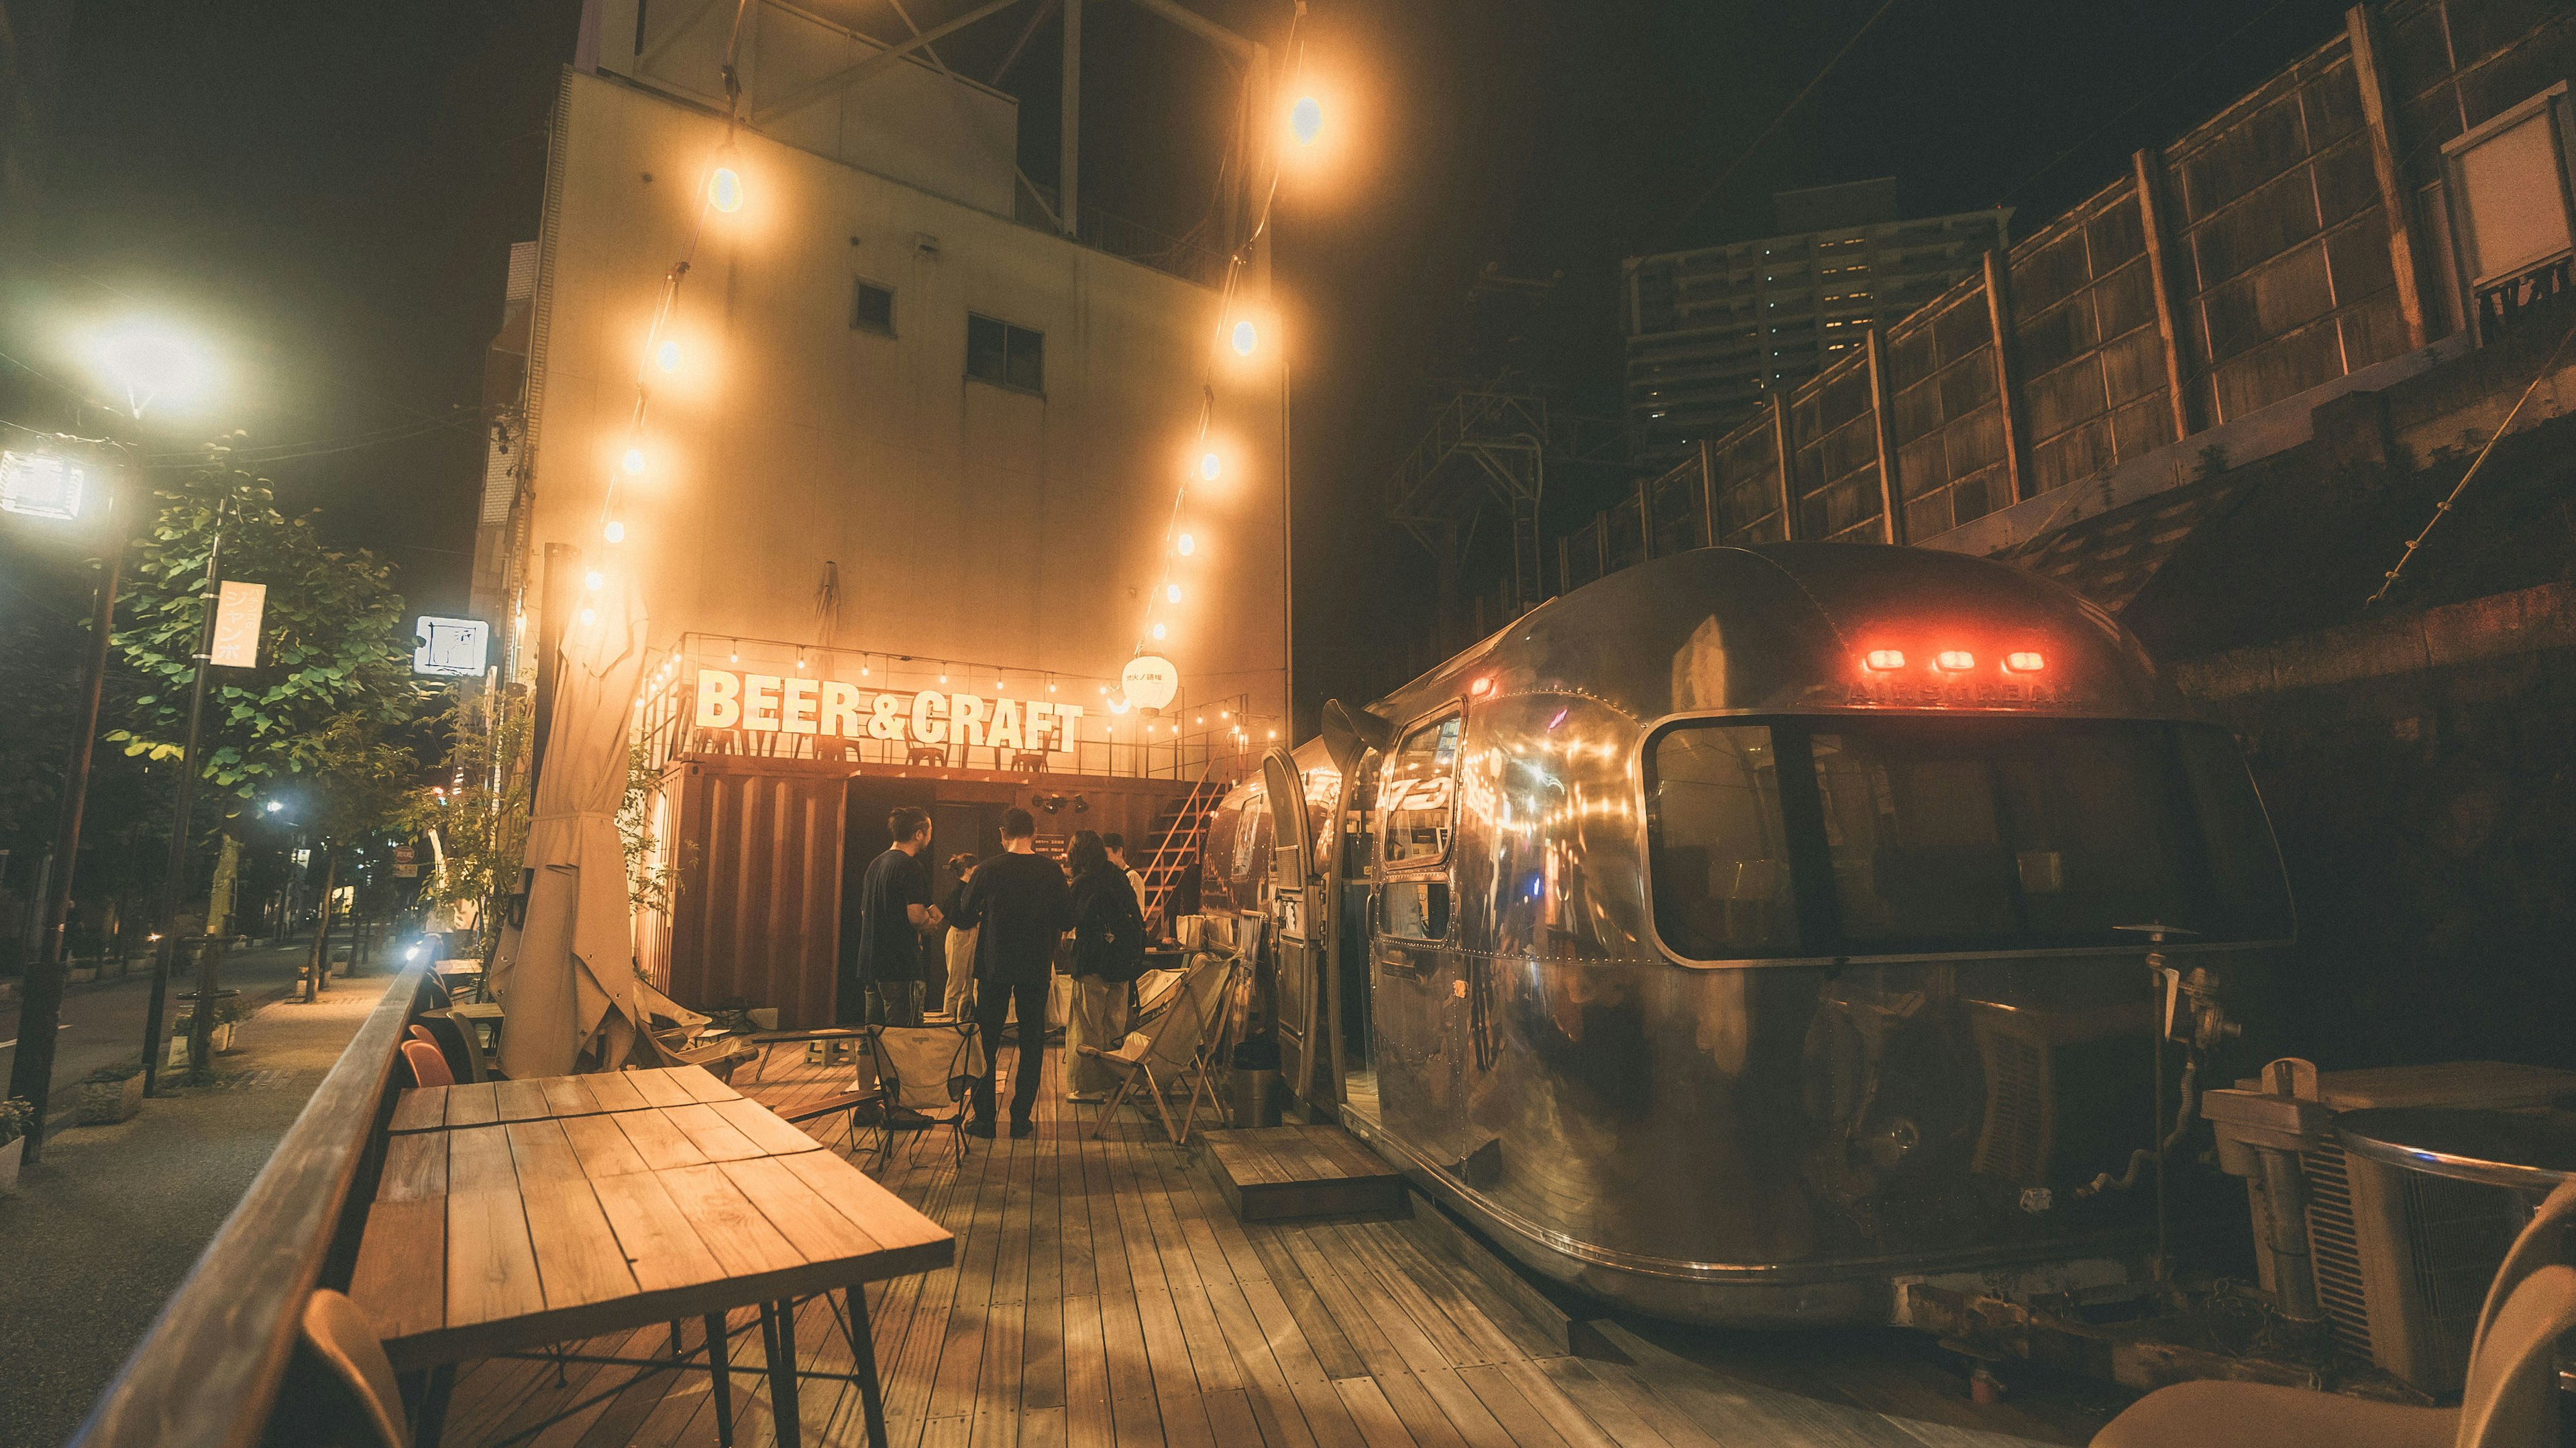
1712 330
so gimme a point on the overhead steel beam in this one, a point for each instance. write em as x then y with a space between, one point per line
803 96
1200 26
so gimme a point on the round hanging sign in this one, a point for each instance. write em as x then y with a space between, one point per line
1150 680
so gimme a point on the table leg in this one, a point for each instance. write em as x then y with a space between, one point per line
433 1406
863 1354
722 1366
782 1376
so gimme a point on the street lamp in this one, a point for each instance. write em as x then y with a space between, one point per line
151 361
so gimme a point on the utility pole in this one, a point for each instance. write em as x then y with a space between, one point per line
31 1071
174 879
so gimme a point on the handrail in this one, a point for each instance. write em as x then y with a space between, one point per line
207 1373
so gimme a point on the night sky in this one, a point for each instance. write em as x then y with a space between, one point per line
329 192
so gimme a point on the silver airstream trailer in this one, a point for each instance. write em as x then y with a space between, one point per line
1756 928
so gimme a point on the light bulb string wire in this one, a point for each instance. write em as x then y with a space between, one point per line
1235 264
668 302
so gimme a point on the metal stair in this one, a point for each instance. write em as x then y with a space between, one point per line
1178 829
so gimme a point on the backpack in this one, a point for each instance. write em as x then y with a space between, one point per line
1109 939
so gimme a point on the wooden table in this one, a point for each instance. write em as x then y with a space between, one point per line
494 1234
482 1103
475 1016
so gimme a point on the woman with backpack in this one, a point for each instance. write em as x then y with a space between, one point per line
1108 955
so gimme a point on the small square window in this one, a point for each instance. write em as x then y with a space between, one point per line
871 307
1004 355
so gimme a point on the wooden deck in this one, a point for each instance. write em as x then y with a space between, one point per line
1104 1294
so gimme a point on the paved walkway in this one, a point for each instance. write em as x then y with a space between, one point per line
105 1227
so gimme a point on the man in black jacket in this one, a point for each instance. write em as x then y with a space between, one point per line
1020 905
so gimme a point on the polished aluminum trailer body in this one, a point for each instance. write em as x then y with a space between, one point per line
1712 970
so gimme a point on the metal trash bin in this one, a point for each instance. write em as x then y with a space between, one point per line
1256 1099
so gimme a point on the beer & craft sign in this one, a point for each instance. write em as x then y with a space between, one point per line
832 709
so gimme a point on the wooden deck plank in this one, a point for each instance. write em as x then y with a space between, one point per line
1273 1404
1372 1413
1529 1426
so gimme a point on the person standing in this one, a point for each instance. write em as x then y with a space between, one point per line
1019 907
961 942
1108 955
1116 844
894 908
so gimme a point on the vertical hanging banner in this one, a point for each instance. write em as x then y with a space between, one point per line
237 613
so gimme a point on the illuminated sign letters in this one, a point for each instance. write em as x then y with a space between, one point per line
769 704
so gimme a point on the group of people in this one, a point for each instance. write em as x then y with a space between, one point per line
1006 919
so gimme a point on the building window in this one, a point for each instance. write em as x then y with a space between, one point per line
871 307
1004 355
2511 228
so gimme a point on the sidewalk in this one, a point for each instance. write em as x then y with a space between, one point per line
103 1229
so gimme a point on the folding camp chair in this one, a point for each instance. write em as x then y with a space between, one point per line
926 1070
1174 1051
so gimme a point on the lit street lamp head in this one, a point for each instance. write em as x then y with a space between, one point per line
151 363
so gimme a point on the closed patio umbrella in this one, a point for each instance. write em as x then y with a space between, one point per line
568 977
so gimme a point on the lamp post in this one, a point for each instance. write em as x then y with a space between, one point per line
31 1070
174 881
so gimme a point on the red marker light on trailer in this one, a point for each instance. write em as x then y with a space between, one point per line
1884 659
2024 662
1954 661
1480 688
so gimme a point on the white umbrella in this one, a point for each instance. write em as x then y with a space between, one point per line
569 977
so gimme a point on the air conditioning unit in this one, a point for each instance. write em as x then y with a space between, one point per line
2396 1262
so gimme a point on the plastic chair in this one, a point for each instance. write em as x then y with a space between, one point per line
340 1339
1173 1051
926 1070
464 1060
2510 1401
428 1065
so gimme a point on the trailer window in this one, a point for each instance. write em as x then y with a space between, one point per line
1916 835
1419 788
1720 859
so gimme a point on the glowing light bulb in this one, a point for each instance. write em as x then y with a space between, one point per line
800 663
1158 631
863 671
589 616
594 580
1246 337
943 678
633 462
1209 466
1171 593
724 190
1306 119
1187 545
614 532
1225 713
667 356
999 686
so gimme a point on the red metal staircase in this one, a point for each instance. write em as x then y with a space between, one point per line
1178 829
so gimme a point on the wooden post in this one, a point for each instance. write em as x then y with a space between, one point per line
1788 474
1999 317
2155 218
1891 504
2379 118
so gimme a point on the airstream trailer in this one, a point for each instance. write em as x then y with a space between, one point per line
1756 928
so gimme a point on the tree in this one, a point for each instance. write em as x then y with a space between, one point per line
359 788
478 806
332 655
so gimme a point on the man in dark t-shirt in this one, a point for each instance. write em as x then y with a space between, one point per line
1020 901
881 975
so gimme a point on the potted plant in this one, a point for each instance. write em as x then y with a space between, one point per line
15 1114
111 1094
229 1014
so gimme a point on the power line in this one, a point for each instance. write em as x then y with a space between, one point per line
1786 111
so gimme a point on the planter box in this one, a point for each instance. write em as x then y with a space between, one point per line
81 974
105 1103
221 1041
9 1153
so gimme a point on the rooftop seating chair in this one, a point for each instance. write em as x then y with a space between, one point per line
428 1064
338 1338
464 1055
1175 1049
926 1070
2510 1401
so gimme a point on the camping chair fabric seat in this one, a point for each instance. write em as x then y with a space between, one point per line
927 1071
1173 1050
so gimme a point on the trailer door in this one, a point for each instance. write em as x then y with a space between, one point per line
1294 919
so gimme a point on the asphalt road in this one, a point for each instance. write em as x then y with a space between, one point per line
102 1022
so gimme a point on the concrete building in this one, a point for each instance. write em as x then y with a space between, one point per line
1712 331
909 471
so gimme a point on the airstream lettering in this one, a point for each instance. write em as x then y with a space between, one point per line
1753 928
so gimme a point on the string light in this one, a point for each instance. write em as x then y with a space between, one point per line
614 531
724 190
667 356
1209 466
1246 337
594 580
1158 632
633 462
1306 119
1187 545
589 616
1171 593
